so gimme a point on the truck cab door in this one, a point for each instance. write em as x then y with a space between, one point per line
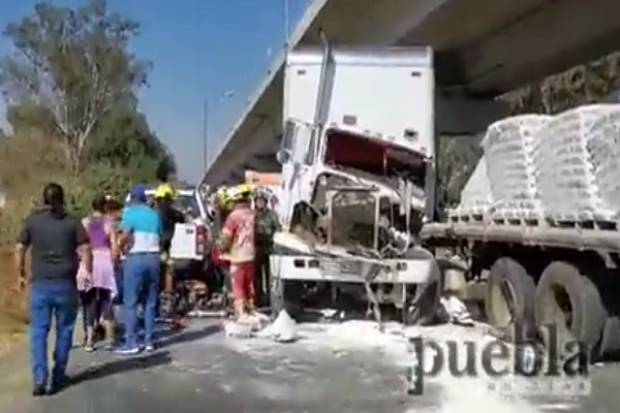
297 156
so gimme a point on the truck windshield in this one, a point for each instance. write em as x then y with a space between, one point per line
373 156
188 205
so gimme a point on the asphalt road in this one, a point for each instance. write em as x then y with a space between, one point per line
199 370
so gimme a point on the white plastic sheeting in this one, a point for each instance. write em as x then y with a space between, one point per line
560 168
476 198
511 146
579 164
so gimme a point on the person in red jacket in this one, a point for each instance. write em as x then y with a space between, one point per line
237 241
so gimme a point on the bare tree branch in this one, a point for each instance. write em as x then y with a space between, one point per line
75 64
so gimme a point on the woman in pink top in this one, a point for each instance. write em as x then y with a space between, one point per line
97 296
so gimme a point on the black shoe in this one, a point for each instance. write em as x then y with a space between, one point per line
57 385
38 390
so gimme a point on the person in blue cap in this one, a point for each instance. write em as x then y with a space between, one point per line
142 229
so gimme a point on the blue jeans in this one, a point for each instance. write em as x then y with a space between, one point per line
58 298
140 283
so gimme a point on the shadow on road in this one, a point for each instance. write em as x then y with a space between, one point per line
122 366
173 337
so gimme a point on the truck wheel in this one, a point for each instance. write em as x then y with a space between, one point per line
572 303
510 295
420 308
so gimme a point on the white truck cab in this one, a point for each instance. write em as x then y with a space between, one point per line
358 180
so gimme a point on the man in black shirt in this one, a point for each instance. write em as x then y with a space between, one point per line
164 203
57 241
170 217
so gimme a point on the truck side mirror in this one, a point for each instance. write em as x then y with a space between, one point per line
283 156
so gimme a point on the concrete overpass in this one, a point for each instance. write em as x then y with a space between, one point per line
483 48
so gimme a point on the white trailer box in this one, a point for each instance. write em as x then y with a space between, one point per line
398 80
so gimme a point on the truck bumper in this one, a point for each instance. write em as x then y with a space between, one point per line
313 268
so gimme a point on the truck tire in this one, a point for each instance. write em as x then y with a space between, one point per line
510 295
421 307
571 301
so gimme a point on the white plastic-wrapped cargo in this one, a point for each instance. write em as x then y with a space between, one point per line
579 164
510 147
476 197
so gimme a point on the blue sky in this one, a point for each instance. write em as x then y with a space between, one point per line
200 49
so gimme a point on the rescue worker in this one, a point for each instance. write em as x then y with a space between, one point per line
165 195
57 240
237 241
267 224
219 276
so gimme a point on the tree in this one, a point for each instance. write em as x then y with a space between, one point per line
123 139
73 63
26 117
582 84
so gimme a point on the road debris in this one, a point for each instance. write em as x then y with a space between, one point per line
455 312
283 329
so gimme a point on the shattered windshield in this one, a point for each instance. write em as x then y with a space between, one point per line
374 157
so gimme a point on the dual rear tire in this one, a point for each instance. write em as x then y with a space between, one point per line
564 299
510 295
569 302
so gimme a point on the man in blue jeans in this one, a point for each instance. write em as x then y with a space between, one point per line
55 239
142 229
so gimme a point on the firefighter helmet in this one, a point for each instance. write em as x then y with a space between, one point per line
165 190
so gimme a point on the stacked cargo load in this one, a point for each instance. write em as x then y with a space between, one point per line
579 165
476 198
511 147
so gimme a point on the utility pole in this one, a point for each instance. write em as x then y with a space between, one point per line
286 26
205 137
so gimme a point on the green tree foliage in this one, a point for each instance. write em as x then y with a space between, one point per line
73 63
124 139
26 117
456 160
579 85
72 106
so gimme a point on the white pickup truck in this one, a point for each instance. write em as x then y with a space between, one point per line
189 246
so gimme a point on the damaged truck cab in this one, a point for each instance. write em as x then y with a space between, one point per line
357 182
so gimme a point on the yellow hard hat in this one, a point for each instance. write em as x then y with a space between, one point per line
165 190
222 197
239 192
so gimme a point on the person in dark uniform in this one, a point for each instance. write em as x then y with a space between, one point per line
267 224
165 196
56 240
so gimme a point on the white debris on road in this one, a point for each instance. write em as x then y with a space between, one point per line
479 392
455 311
283 329
247 326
